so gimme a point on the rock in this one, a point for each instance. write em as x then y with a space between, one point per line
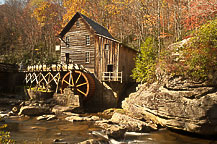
15 109
115 131
132 124
60 109
59 141
26 103
94 141
108 113
112 130
34 128
94 118
73 118
11 113
22 104
46 117
58 134
70 114
176 103
68 98
33 110
77 118
36 94
4 114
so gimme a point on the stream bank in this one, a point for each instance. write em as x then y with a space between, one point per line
31 131
84 128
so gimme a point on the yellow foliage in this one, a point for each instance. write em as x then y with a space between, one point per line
44 12
73 6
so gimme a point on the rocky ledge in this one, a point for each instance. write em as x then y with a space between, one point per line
176 103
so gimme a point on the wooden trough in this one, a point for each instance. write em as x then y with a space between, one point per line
57 77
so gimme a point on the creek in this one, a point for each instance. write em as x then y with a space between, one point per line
30 131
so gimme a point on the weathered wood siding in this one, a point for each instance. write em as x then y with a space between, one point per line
121 57
77 45
126 62
105 56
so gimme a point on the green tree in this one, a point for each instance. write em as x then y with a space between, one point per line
144 70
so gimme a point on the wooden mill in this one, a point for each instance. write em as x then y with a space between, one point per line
87 51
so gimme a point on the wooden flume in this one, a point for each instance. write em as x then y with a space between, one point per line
57 77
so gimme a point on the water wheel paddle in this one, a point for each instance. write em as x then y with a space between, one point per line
80 82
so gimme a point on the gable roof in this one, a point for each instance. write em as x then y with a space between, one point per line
100 30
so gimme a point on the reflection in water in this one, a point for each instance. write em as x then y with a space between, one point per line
31 131
168 137
24 130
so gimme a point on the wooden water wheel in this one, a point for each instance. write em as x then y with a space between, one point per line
80 82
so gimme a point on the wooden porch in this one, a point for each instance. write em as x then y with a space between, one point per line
112 76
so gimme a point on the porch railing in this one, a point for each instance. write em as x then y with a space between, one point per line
112 76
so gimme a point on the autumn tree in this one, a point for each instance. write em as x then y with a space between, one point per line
196 57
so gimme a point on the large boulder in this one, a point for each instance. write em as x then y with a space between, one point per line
176 103
132 124
112 130
34 110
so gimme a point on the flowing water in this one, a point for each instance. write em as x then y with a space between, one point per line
30 131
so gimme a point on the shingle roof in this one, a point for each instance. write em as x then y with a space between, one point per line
96 27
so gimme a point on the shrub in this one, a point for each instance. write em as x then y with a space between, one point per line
197 57
5 136
144 70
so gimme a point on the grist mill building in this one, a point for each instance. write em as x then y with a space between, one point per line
95 68
87 43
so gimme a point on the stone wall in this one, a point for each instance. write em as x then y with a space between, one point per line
68 98
108 95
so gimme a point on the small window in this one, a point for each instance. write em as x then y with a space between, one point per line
87 57
57 48
67 45
67 58
106 46
110 68
67 41
87 40
77 24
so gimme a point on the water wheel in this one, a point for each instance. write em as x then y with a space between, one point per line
80 82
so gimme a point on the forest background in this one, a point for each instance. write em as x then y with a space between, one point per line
29 28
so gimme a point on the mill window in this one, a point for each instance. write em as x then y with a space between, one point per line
67 41
110 68
67 58
87 57
77 24
107 47
87 40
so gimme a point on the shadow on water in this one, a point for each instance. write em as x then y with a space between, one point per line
29 130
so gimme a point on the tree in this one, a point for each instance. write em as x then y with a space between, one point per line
144 70
196 57
200 53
